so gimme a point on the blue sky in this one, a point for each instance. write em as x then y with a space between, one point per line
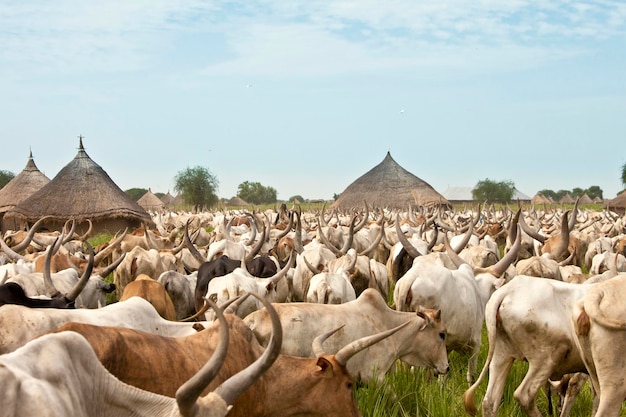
307 96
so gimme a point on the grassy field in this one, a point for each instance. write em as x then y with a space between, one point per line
414 393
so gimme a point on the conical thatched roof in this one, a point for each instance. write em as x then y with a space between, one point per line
149 201
617 204
168 199
388 185
541 199
22 186
236 202
82 190
585 199
567 199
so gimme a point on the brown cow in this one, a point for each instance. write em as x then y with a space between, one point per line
145 287
292 386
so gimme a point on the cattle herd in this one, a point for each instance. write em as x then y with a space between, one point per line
280 312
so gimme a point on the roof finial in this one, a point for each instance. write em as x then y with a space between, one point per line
80 143
30 156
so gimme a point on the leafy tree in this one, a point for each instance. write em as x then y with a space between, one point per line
624 174
5 177
256 193
135 193
296 197
197 186
488 190
336 196
577 192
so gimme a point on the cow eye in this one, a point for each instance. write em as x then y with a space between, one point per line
442 335
349 385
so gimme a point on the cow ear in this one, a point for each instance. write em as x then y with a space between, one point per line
326 367
422 314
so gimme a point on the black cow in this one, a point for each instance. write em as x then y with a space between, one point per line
13 293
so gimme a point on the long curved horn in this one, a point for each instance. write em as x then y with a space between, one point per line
530 232
82 282
256 248
236 384
110 268
363 222
358 345
189 392
280 274
298 246
47 277
31 233
317 348
287 228
501 266
104 253
327 242
454 257
348 243
561 247
433 241
408 246
572 220
69 235
374 244
86 235
192 248
311 267
253 229
14 256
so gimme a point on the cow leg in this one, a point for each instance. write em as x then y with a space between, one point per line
472 363
498 371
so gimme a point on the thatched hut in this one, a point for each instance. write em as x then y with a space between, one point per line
541 199
22 186
585 199
617 204
567 199
83 191
150 202
236 202
168 199
388 185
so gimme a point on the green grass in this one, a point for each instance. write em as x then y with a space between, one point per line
408 392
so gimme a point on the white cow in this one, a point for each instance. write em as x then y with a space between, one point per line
20 324
461 295
60 375
330 288
600 319
421 343
233 285
529 319
180 288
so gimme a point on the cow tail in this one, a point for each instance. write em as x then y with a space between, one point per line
491 318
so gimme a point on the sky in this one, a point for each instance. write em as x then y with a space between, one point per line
307 96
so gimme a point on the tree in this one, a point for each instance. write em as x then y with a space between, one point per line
197 186
548 193
135 193
624 174
255 193
296 197
5 177
488 190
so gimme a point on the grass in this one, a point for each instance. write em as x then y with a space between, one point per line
408 392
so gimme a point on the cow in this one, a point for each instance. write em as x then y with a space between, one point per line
292 386
528 319
59 374
154 292
20 324
330 288
13 293
600 320
461 295
422 343
180 288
